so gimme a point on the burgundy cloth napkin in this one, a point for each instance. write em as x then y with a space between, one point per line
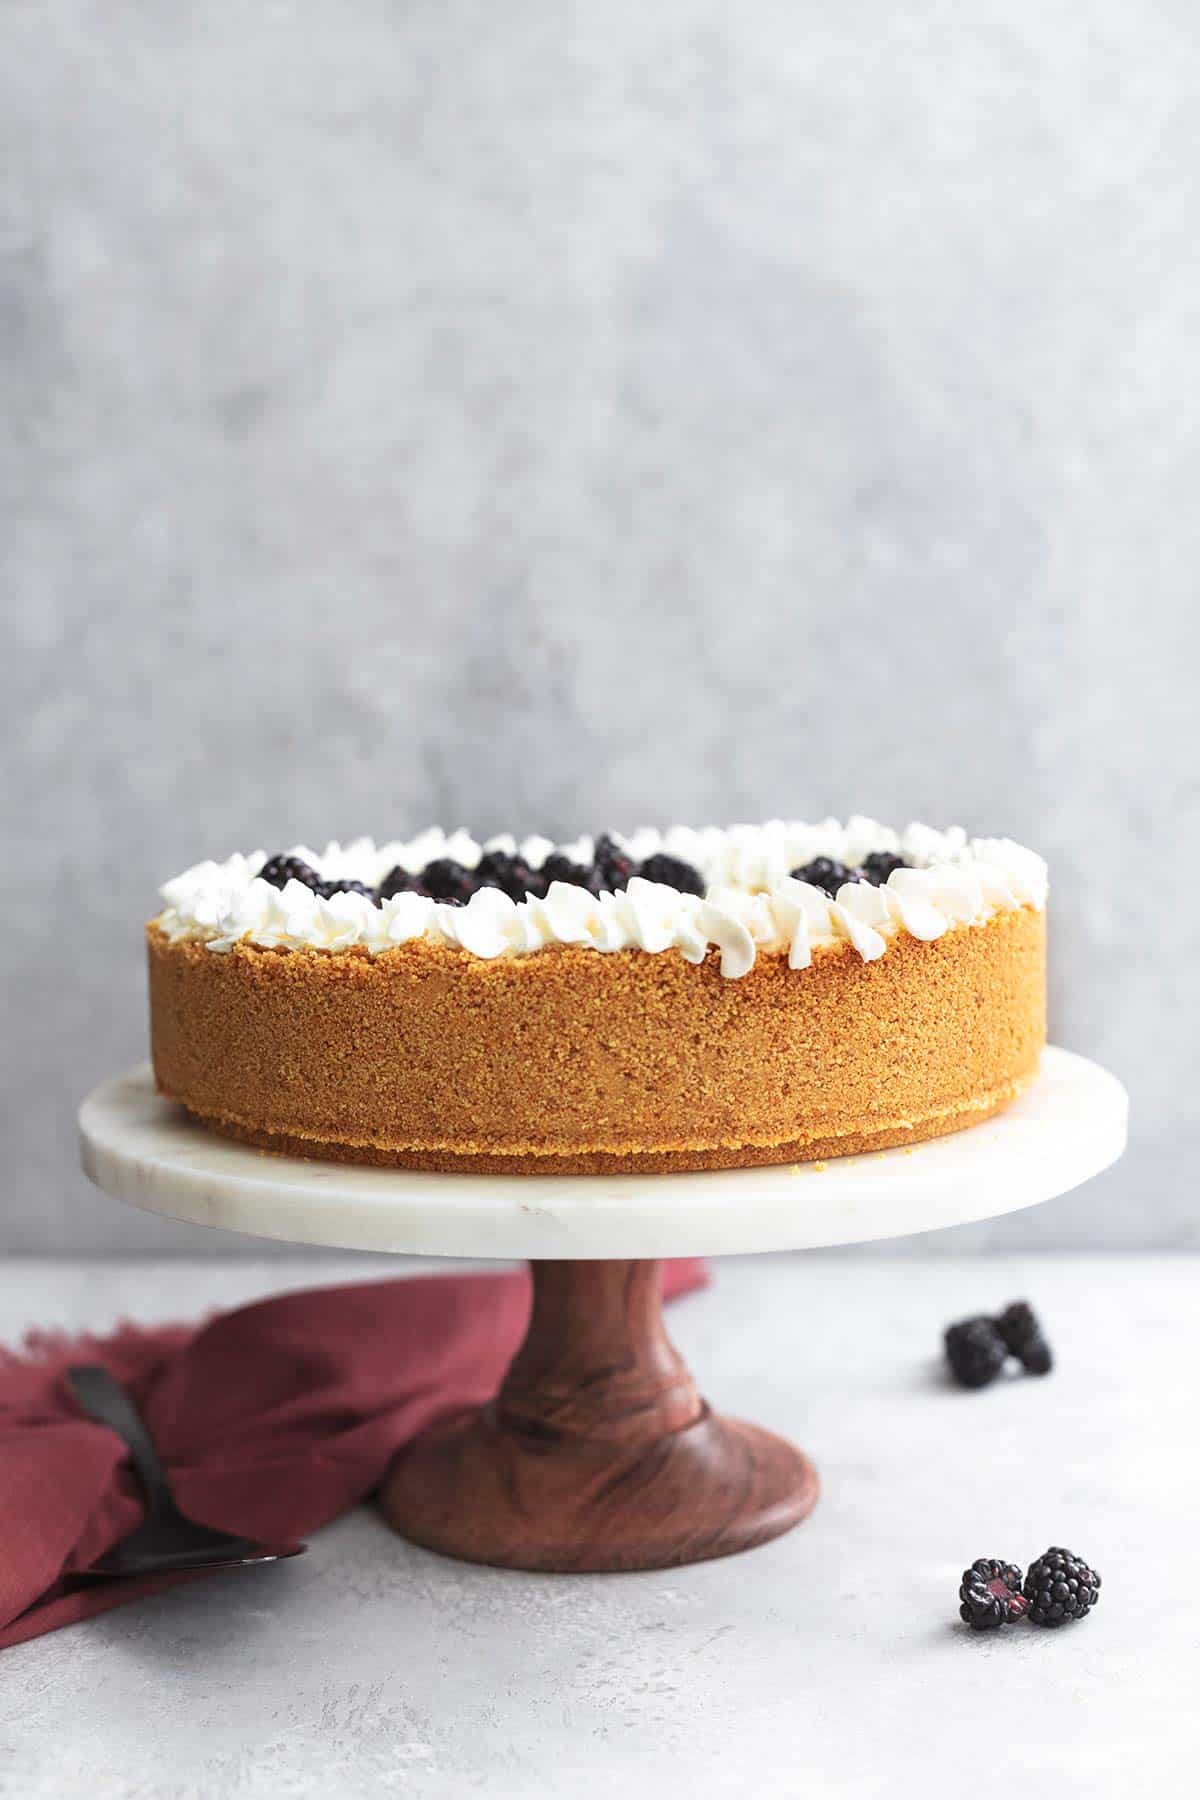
271 1421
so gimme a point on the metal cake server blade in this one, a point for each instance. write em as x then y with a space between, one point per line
165 1539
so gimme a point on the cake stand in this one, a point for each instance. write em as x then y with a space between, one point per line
598 1452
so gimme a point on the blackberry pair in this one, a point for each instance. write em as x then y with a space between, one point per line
977 1349
279 870
1058 1588
825 873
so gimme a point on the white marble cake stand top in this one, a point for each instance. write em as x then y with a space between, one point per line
1068 1126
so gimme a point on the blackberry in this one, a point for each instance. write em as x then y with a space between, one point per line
990 1594
879 865
558 867
673 872
279 870
975 1351
824 873
1018 1325
511 874
1060 1587
327 889
612 865
445 879
398 881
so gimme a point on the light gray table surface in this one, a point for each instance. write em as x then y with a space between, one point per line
828 1664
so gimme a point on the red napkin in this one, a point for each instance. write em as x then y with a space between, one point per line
271 1421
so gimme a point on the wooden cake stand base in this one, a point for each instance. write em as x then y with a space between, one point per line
598 1452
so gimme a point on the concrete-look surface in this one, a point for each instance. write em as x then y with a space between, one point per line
561 416
830 1663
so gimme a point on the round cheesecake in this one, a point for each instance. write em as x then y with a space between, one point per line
685 1000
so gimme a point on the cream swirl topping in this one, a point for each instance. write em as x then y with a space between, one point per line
751 903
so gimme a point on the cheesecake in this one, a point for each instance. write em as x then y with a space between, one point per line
686 999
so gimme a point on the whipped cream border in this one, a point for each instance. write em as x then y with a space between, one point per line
751 903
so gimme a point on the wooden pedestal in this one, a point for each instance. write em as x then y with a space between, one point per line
598 1452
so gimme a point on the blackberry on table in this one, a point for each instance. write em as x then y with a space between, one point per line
879 865
1060 1587
1021 1330
279 870
824 873
975 1351
990 1594
672 871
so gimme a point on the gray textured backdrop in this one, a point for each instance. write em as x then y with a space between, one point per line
566 415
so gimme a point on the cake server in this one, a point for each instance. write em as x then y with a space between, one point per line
165 1539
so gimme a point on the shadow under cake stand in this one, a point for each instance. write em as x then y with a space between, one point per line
598 1451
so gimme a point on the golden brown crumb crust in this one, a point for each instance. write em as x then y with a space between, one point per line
569 1061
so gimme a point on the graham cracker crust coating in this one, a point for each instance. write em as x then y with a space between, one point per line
572 1061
